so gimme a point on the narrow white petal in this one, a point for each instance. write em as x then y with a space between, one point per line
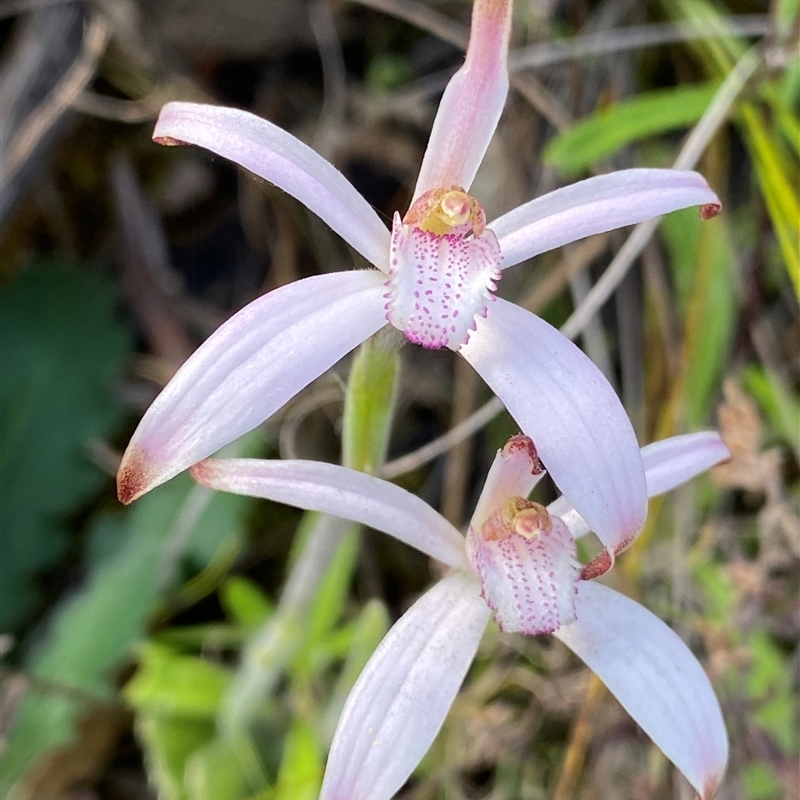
562 401
667 464
317 486
404 693
280 158
576 524
599 204
253 364
472 103
656 678
673 461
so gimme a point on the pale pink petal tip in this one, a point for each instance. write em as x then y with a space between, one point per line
204 473
247 369
656 678
598 204
472 102
671 462
278 157
135 475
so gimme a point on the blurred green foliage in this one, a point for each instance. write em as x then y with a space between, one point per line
601 135
62 347
96 629
703 264
208 729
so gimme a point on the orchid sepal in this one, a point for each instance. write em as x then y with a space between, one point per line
247 369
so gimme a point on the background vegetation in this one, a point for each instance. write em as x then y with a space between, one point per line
173 649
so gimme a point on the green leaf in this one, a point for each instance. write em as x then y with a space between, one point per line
169 683
169 742
329 602
770 687
601 135
774 167
62 348
245 603
773 171
214 772
300 774
702 259
779 406
96 629
760 783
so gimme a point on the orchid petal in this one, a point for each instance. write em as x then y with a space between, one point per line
529 582
253 364
437 284
318 486
576 524
562 401
404 693
667 464
673 461
472 103
656 678
516 469
280 158
595 205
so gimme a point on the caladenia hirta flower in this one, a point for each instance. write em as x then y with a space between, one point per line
518 564
436 273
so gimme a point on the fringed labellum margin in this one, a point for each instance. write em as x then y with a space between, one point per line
525 559
444 264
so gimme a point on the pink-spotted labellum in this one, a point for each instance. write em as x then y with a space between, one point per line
434 280
517 564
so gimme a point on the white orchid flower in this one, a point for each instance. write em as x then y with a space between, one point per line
436 272
517 563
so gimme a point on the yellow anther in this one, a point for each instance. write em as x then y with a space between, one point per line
439 211
455 208
517 515
533 521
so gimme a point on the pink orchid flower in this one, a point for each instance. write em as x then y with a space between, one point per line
435 275
517 563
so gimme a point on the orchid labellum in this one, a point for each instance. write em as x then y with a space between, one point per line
435 275
517 564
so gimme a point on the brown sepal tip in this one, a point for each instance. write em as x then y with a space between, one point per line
598 566
133 478
711 786
201 472
522 442
710 210
168 141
